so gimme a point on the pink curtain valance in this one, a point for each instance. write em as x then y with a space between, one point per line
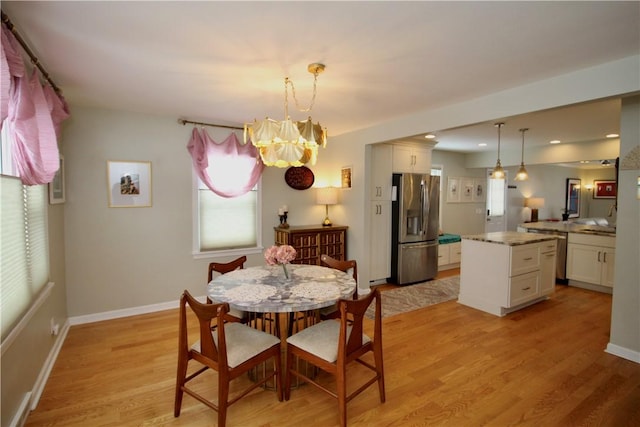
11 66
229 168
32 115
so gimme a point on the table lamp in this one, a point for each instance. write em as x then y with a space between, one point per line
327 196
534 203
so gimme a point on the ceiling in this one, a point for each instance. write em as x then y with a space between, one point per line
225 62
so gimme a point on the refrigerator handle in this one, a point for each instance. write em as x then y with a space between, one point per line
422 231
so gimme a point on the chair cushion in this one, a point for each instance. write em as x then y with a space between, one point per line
322 339
243 342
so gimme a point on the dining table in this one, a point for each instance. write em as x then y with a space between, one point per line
266 288
279 304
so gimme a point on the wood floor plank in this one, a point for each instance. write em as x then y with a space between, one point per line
445 365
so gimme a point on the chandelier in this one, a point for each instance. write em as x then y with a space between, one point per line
289 143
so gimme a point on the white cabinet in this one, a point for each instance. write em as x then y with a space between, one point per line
411 159
380 213
591 259
381 172
380 248
500 278
449 255
548 267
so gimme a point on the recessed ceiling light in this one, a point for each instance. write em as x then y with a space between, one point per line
555 141
429 136
482 144
612 135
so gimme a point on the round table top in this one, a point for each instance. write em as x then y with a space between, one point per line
265 289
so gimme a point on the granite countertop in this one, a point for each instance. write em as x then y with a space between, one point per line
570 227
510 238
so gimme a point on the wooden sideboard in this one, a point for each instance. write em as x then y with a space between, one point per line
311 241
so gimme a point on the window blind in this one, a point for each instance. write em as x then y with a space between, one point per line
227 223
24 248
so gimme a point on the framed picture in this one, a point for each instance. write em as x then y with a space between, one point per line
572 206
604 189
56 187
345 177
478 190
129 184
467 190
453 190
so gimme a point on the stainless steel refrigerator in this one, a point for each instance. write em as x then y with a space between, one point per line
414 228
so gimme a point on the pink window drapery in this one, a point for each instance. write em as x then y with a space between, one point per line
11 67
32 115
229 168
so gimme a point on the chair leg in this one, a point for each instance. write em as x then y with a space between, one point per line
223 399
377 355
342 395
180 376
287 382
278 373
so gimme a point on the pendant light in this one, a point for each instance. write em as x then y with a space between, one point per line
522 174
498 171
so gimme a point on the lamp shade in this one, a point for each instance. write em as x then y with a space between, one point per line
534 202
327 196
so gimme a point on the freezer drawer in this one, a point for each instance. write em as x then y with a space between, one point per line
417 262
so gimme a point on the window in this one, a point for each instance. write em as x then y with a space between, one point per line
24 246
496 192
227 223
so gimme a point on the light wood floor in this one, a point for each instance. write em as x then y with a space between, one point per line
444 365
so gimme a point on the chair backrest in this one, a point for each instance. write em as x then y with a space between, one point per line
352 314
207 315
226 267
343 266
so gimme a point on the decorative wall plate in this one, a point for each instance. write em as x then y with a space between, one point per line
299 178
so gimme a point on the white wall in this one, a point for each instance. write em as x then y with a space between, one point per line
458 218
625 317
119 258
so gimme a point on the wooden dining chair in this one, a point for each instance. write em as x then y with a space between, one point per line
332 345
223 268
232 349
331 312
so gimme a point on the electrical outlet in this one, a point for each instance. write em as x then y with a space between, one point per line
55 328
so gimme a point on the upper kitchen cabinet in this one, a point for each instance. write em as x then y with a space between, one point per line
412 158
381 171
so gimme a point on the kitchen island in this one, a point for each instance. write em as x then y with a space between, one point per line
506 271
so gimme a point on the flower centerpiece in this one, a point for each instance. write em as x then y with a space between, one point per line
282 255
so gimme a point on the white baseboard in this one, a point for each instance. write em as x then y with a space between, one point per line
590 287
126 312
623 352
41 381
20 417
448 266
